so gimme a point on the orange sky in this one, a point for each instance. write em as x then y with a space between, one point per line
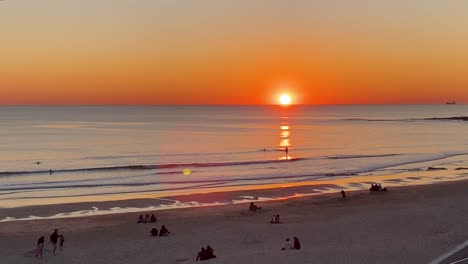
232 52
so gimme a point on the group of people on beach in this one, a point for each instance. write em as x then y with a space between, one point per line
295 245
275 219
205 254
56 239
163 232
147 219
377 188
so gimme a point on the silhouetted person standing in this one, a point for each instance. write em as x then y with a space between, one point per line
61 241
343 194
40 247
54 240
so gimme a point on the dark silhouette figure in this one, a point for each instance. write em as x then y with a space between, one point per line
51 171
153 219
377 188
205 254
154 231
61 241
201 254
253 207
38 162
147 218
140 219
164 231
54 240
297 244
286 150
275 219
343 194
39 247
210 252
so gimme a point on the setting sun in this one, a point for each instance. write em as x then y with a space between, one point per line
285 99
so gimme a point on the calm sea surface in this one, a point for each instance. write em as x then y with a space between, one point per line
95 152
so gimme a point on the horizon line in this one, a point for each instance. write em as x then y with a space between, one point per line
291 105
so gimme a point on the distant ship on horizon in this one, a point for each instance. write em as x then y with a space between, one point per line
451 103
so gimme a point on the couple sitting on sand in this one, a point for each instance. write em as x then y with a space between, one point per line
377 188
205 254
253 207
289 246
147 219
275 219
162 232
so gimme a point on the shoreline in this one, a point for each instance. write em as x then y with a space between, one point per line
412 224
227 196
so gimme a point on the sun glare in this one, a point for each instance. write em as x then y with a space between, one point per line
285 99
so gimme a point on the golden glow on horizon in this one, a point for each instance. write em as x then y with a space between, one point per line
285 99
166 52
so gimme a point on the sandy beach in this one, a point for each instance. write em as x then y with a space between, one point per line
405 225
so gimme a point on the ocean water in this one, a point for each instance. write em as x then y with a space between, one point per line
72 154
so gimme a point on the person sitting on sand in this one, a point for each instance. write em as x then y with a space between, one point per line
297 244
210 252
275 219
153 219
40 247
154 231
253 207
287 245
201 254
164 231
140 219
147 218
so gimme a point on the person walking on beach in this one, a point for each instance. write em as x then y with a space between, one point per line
54 240
61 241
39 247
343 194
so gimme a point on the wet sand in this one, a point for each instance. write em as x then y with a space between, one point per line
405 225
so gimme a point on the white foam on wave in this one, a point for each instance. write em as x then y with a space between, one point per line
95 211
